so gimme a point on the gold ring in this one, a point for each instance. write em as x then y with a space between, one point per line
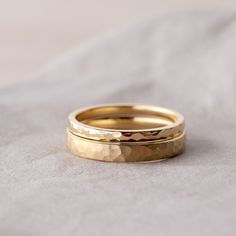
126 133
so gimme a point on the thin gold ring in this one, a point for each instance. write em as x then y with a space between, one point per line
126 133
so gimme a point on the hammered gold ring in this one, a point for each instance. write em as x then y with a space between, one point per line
126 133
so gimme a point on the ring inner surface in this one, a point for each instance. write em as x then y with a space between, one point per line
126 117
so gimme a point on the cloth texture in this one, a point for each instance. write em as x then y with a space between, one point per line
182 61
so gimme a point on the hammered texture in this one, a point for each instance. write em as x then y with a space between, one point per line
125 151
95 133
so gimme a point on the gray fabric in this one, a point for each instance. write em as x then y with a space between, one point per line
185 62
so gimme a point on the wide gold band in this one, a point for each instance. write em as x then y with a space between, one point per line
126 133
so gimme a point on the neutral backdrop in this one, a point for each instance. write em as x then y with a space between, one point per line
185 62
32 32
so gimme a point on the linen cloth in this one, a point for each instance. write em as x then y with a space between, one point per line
183 61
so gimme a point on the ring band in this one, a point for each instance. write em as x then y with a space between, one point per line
126 133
